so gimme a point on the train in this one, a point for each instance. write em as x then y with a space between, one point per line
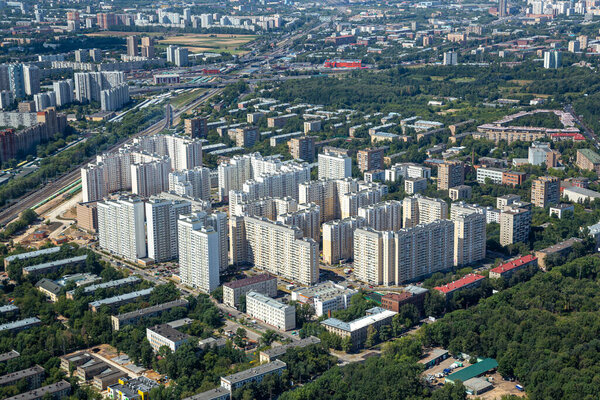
71 189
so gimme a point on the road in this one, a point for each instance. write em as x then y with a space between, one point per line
587 132
231 314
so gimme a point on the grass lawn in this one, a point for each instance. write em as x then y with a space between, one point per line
195 42
187 97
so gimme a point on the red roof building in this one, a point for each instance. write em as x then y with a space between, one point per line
468 281
509 268
576 137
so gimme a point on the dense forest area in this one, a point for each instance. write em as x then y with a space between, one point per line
544 332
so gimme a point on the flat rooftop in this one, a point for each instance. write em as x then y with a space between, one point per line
23 323
153 309
249 281
9 355
377 314
256 371
57 263
123 297
39 393
267 300
281 350
210 394
22 374
32 254
169 333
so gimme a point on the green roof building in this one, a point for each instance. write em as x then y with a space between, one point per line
473 371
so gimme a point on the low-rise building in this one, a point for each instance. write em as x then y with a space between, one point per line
507 269
132 317
580 195
49 288
434 357
460 192
56 391
325 297
256 375
219 393
132 389
20 325
117 301
34 377
357 330
165 335
263 283
560 209
274 353
109 377
410 295
270 311
469 281
560 249
10 355
52 266
30 254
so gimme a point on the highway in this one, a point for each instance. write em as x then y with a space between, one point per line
29 200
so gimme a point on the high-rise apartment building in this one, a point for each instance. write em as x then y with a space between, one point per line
114 98
303 148
270 176
132 46
191 182
307 218
64 92
422 210
334 166
196 127
148 47
276 248
502 8
31 79
121 227
338 239
184 153
181 57
515 224
469 238
88 85
388 258
149 174
386 216
199 253
161 223
370 159
552 59
16 80
450 174
545 191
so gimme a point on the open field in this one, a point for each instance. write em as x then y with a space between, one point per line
198 43
187 97
195 42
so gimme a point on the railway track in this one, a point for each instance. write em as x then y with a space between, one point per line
29 200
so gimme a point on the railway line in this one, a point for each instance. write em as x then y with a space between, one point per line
54 188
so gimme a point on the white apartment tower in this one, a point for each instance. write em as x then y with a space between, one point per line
161 223
278 249
191 182
121 227
469 238
388 258
422 210
199 253
334 166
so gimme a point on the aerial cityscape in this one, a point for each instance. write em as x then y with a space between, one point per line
299 200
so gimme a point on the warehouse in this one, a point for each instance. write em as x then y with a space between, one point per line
473 371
